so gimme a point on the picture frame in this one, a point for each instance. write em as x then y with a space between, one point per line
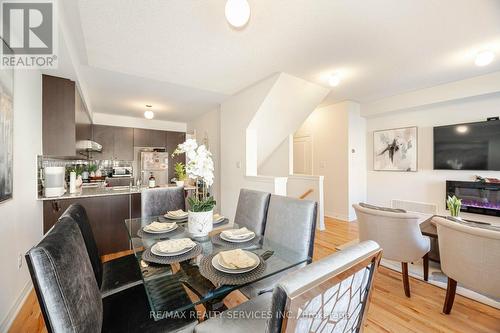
6 132
396 149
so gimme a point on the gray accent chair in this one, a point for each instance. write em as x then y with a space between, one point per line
291 223
470 255
330 295
399 235
157 201
114 275
252 210
70 298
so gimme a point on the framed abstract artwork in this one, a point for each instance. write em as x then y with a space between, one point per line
6 132
395 149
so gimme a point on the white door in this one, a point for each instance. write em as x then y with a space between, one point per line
302 155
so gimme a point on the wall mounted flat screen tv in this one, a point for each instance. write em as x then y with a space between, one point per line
472 146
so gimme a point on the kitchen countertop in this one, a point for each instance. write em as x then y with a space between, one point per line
102 192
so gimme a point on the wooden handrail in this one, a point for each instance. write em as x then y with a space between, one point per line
306 193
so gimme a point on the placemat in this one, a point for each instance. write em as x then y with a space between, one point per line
147 255
164 235
220 278
216 239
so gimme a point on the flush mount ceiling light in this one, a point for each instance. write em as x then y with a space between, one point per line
334 80
237 12
462 129
148 114
484 58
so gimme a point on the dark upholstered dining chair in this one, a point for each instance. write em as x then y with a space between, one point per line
251 211
114 275
70 298
291 223
157 201
330 295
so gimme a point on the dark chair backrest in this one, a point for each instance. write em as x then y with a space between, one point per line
64 281
251 211
292 222
79 215
157 201
332 293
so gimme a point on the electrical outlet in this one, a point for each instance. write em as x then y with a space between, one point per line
19 261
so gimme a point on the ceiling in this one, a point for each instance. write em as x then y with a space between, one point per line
184 58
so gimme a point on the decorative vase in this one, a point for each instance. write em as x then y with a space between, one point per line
179 183
200 223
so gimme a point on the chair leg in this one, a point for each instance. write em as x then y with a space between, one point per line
426 266
450 296
406 279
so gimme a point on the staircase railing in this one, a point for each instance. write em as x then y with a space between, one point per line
306 193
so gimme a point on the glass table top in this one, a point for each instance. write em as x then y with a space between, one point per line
179 286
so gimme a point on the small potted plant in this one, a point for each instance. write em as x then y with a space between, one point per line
180 173
454 205
200 168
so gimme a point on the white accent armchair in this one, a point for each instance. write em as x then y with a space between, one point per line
398 234
469 255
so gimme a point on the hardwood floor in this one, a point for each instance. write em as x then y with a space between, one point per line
390 310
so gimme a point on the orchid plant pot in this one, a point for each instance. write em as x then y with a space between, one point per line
200 223
179 183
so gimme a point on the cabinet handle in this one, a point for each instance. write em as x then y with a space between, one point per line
55 206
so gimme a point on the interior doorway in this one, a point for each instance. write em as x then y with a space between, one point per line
302 155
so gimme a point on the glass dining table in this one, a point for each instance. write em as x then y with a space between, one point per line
179 286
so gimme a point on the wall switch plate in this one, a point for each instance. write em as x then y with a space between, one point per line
19 261
238 165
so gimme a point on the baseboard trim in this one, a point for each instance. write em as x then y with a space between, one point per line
341 217
14 310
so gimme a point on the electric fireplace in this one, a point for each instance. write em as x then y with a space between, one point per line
477 197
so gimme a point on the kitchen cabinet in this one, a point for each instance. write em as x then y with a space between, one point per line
106 215
173 139
65 118
123 143
104 135
149 138
58 116
117 142
83 122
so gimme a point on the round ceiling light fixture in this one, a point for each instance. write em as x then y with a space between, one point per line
462 129
334 80
484 58
237 12
148 114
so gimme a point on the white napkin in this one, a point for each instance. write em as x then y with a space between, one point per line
236 259
177 213
175 245
238 233
218 217
159 226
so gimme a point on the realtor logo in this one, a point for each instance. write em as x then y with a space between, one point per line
28 31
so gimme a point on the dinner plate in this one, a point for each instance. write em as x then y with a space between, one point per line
162 231
171 217
232 240
221 219
219 267
156 252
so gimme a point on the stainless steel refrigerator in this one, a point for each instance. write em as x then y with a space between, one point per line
155 163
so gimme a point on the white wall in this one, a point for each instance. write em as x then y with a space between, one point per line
21 217
279 162
426 185
207 126
339 154
126 121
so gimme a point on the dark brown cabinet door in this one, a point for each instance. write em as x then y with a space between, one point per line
173 140
82 119
106 216
123 143
58 116
104 135
141 137
157 138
